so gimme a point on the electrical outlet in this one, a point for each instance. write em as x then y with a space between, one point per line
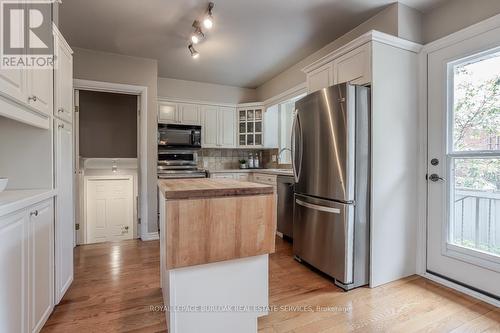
273 158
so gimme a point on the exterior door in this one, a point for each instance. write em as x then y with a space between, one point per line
463 231
109 209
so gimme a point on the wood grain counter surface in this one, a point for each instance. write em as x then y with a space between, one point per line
173 189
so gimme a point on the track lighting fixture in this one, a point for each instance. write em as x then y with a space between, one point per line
208 22
194 53
197 35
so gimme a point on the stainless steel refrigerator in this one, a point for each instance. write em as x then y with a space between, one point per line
331 163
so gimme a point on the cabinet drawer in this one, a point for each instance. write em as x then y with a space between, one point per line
264 179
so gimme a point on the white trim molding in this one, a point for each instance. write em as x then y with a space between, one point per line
142 92
149 236
287 94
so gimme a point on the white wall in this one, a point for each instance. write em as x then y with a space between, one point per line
454 15
25 155
206 92
108 67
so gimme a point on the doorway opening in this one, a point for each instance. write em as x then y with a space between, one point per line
107 128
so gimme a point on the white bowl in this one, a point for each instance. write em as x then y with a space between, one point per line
3 183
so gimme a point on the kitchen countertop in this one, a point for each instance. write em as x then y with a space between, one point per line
279 172
209 188
13 200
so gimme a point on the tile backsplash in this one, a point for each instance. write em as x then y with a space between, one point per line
220 159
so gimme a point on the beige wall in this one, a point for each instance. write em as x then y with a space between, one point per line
108 67
454 15
385 21
207 92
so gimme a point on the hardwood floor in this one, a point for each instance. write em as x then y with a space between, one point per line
116 283
114 286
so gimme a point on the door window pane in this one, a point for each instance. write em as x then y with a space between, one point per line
476 104
476 204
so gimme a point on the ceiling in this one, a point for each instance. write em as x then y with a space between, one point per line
251 41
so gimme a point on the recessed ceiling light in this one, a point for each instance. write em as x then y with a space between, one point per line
194 53
208 22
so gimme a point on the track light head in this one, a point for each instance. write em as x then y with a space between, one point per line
195 54
198 35
208 22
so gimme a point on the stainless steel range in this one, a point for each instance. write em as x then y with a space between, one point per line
173 163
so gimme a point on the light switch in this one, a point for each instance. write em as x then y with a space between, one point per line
273 158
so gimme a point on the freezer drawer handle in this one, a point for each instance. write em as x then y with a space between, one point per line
316 207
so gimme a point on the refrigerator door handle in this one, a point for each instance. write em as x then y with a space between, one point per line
296 122
317 207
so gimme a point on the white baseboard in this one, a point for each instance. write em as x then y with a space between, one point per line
150 236
461 289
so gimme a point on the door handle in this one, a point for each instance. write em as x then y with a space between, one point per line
317 207
435 177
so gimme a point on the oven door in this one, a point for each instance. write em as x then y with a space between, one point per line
179 136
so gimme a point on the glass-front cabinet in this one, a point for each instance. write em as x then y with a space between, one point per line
250 126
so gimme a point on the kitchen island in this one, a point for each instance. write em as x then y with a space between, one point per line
215 238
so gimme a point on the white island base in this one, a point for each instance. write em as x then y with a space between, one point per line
220 297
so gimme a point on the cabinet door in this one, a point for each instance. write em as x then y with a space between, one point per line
354 66
167 113
189 114
13 275
227 127
13 81
40 89
210 126
41 264
64 223
271 127
320 78
64 81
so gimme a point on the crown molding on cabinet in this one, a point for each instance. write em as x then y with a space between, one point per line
370 36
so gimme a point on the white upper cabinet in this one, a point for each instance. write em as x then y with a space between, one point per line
227 127
12 83
320 78
354 66
210 126
40 90
63 107
167 113
188 114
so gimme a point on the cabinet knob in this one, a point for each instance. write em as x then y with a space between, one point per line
32 98
34 213
60 125
60 110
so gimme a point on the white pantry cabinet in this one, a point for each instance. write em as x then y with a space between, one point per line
63 84
64 220
26 251
178 113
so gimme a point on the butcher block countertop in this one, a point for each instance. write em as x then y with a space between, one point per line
173 189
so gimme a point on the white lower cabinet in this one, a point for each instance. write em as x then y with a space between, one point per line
27 278
243 176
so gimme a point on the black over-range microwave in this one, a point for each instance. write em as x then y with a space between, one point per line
179 136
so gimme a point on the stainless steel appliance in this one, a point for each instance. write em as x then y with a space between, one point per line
331 162
179 164
285 185
179 136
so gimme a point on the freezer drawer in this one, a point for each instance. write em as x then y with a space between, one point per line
323 236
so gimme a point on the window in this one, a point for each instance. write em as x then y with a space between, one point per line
474 153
